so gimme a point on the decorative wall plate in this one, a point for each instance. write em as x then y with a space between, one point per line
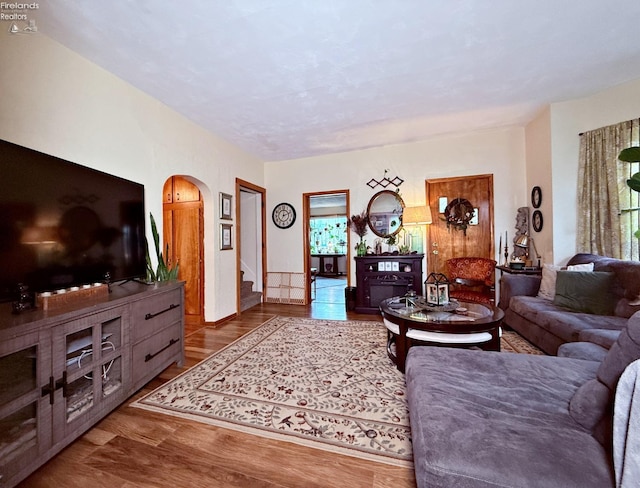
536 197
537 221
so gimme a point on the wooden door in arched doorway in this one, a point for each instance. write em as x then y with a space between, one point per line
183 231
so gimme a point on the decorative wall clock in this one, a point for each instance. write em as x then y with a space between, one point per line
284 215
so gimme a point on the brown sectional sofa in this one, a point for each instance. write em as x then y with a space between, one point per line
548 325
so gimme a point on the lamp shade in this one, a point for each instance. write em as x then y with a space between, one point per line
416 215
39 235
522 241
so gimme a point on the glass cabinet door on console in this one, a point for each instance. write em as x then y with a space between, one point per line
63 370
25 410
90 368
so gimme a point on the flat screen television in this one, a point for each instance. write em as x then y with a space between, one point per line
64 225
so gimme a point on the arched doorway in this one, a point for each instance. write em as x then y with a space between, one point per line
183 232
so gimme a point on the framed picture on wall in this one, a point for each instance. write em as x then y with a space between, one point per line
225 206
537 221
536 197
225 237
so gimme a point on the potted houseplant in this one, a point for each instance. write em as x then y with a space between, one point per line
632 155
163 272
358 224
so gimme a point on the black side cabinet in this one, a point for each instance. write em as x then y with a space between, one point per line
379 277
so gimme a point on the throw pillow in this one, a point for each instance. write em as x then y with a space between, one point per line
548 284
549 271
585 291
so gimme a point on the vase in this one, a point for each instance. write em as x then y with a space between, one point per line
361 248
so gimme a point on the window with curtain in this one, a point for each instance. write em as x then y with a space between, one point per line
328 235
630 204
608 210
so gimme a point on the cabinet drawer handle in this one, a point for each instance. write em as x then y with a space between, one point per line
53 385
149 316
62 383
49 389
149 357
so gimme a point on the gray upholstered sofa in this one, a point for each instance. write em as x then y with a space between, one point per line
496 419
548 324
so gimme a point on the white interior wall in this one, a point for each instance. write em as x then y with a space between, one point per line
568 120
58 103
500 152
539 171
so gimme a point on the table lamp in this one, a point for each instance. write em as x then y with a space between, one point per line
524 241
420 215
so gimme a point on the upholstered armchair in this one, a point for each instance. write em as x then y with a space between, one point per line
472 279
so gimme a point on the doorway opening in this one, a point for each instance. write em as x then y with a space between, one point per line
251 246
183 233
326 247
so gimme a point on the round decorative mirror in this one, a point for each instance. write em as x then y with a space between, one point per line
384 213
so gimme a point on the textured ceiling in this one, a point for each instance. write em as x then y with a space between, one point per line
286 79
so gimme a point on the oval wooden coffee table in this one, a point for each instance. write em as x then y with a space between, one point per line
416 322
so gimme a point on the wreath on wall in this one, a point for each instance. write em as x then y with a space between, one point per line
458 214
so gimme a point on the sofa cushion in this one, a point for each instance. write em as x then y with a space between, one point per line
592 404
583 291
569 325
602 337
548 284
582 350
489 419
549 276
530 307
627 273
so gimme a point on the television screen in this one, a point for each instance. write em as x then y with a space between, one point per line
63 224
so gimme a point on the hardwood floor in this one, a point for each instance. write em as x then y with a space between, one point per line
136 448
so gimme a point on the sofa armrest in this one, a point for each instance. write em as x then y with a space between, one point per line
512 285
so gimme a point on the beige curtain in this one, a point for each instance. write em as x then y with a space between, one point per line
599 175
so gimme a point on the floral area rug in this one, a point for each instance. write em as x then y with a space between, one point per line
327 384
511 341
323 383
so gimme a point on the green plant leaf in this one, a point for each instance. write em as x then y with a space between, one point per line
151 275
634 182
630 155
162 272
637 233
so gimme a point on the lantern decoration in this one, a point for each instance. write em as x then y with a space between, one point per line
437 289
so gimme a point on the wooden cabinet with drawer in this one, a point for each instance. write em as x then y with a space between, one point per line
64 369
158 334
